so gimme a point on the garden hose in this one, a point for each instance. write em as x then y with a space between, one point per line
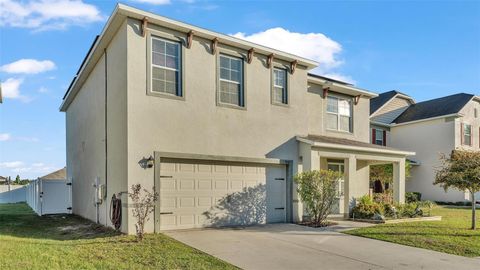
116 212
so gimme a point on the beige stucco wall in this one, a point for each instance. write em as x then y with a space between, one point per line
85 133
428 139
139 124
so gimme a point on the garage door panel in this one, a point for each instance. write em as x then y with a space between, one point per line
204 184
200 194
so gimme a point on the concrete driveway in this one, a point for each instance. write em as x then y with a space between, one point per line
289 246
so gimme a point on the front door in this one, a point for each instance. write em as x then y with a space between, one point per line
338 166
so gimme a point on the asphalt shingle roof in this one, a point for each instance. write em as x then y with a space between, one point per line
434 108
56 175
341 141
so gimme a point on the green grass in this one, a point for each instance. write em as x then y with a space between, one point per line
451 235
70 242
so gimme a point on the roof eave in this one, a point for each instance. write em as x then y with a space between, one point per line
426 119
355 90
356 148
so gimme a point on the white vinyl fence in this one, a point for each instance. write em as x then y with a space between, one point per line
49 196
12 193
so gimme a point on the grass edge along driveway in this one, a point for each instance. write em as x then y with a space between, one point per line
451 235
28 241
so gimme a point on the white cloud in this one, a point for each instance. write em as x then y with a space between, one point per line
47 14
11 88
315 46
28 66
11 164
4 137
154 2
43 90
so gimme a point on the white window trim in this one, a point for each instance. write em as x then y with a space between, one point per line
152 34
285 98
241 83
338 114
470 143
376 136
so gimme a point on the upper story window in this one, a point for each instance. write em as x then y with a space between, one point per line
166 67
339 113
280 86
379 139
467 134
231 90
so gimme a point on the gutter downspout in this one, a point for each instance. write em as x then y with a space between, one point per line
106 136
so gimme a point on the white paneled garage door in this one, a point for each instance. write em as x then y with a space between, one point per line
196 194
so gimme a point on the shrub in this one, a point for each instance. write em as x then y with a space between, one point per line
366 211
411 197
383 198
428 205
143 206
318 191
409 210
365 199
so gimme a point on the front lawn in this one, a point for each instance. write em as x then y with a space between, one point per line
70 242
451 235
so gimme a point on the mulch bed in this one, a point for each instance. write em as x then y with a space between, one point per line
312 225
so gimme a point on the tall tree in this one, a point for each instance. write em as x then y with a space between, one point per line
461 170
17 180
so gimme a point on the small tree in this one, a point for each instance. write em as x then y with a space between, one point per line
461 171
17 180
318 190
384 173
143 206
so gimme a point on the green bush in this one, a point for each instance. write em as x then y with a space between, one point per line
366 211
411 197
409 210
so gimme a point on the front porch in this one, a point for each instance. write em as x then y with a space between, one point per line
353 158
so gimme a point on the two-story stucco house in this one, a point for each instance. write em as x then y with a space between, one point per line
429 128
217 125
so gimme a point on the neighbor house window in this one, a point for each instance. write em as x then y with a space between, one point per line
467 134
339 113
280 86
166 67
231 81
379 139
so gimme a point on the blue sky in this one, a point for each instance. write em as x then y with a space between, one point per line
426 49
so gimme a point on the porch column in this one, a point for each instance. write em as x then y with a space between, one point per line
350 171
399 181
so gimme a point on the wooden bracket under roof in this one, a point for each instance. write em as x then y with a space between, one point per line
270 60
190 38
357 99
214 45
250 55
325 92
144 26
293 66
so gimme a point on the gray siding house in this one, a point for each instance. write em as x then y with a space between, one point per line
218 126
429 128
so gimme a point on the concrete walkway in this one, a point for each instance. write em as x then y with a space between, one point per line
289 246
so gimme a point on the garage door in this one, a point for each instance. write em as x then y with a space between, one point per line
197 194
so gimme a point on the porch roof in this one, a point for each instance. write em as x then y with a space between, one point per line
346 144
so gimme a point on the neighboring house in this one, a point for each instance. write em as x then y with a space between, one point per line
218 125
429 128
3 180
